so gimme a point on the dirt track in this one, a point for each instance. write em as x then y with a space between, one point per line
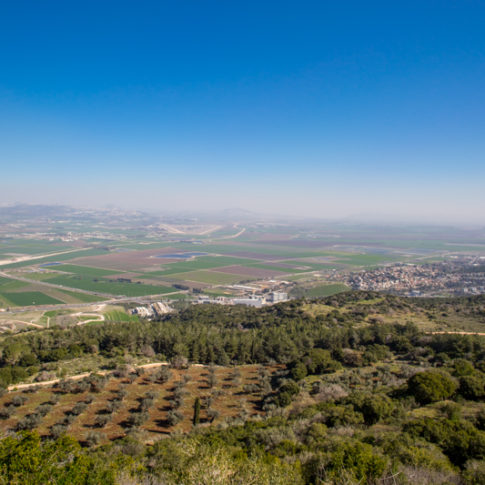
456 333
85 374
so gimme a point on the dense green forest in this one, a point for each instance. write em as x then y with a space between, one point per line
360 397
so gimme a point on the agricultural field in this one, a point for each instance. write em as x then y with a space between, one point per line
65 256
109 287
26 298
20 293
129 261
85 271
251 272
365 259
156 401
320 291
17 247
211 277
199 263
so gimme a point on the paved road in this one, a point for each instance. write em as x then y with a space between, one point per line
21 259
53 285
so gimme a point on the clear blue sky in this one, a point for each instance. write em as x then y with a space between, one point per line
319 108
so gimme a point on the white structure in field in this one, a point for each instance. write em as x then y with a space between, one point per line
277 296
252 301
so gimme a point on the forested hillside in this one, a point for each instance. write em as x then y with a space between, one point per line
353 388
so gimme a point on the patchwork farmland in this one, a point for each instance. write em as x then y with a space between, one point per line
90 274
128 265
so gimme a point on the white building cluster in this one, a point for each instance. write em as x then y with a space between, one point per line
152 310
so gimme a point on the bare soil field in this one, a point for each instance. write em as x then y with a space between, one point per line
247 271
131 260
254 255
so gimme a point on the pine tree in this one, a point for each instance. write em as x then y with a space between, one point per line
196 419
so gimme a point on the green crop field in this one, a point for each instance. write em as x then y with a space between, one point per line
211 277
35 276
120 316
31 247
59 257
326 290
109 287
82 297
8 285
86 271
30 298
11 292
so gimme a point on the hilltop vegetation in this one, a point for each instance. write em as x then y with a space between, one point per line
344 389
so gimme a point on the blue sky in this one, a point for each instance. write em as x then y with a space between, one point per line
316 108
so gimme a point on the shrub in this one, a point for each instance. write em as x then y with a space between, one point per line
69 419
299 371
431 386
319 361
29 422
472 387
78 408
212 414
212 380
291 387
164 374
113 406
102 420
64 386
347 463
152 394
458 439
146 403
474 473
58 430
137 419
180 362
6 412
341 415
463 367
93 438
375 408
174 417
44 409
18 401
53 399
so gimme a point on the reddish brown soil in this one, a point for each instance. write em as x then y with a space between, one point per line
130 260
255 272
230 403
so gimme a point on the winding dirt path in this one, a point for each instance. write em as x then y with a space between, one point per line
86 374
456 333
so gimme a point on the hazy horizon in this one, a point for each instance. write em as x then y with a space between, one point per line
372 111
